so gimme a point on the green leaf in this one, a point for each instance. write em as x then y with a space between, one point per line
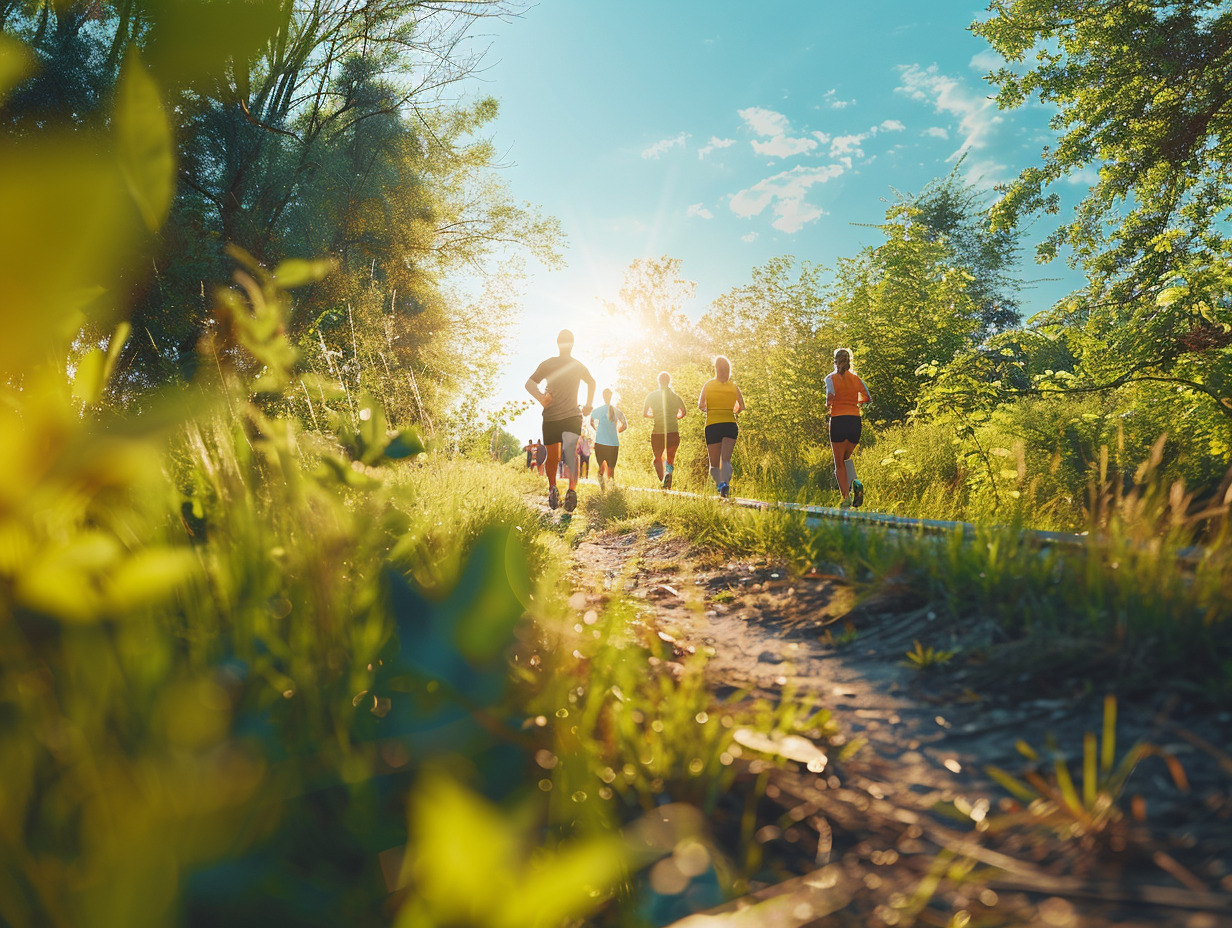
406 444
1170 295
486 603
296 272
149 576
16 64
193 41
88 378
144 144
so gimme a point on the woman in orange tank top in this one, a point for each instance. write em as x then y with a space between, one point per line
845 394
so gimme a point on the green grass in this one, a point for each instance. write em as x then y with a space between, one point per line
1125 608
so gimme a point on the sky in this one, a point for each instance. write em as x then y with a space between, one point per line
725 134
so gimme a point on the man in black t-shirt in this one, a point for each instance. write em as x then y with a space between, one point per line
562 419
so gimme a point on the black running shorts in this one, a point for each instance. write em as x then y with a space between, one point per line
606 454
720 430
845 428
555 428
664 441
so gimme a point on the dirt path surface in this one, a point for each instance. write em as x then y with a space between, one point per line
910 828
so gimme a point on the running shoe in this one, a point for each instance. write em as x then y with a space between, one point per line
667 480
571 501
857 494
553 498
723 490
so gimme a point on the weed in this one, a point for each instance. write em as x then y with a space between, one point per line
925 658
1056 804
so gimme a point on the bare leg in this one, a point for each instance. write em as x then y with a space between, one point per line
725 453
569 444
552 463
715 451
842 451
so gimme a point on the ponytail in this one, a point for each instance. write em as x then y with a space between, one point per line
842 360
611 410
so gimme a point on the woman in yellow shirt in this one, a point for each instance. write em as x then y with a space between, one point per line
721 401
845 394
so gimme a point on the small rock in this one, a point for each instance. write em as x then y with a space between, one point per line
769 657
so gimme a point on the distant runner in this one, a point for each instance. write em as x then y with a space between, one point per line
721 401
541 455
845 394
562 419
530 453
608 422
584 456
667 409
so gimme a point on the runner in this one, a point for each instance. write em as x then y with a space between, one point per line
541 456
608 422
845 394
667 409
721 401
584 456
562 419
530 453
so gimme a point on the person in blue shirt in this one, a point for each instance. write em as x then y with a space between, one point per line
608 422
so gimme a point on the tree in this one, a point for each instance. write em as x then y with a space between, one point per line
1143 93
307 128
903 304
951 211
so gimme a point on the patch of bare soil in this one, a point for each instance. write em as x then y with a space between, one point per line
911 828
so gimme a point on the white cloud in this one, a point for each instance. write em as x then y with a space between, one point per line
700 211
891 125
986 61
783 147
774 126
847 145
822 137
986 173
830 99
784 193
936 132
764 122
977 114
751 237
1088 176
664 145
714 143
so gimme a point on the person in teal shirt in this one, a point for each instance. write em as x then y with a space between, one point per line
608 422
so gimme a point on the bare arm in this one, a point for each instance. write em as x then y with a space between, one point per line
623 422
590 392
740 404
542 397
868 397
647 413
701 400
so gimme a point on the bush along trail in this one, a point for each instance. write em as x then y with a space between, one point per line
885 753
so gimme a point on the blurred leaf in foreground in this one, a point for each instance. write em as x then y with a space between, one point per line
469 864
144 143
16 64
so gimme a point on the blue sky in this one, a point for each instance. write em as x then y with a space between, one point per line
725 134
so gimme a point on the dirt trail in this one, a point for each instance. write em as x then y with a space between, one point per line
869 826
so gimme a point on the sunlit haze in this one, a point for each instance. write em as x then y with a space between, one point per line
726 140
